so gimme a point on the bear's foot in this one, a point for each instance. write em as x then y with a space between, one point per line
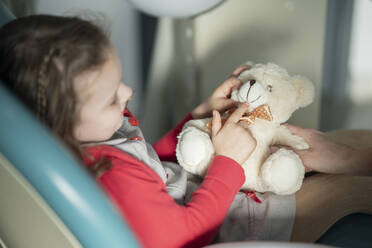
283 172
194 150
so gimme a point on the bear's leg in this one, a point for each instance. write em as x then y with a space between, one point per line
194 150
324 199
283 172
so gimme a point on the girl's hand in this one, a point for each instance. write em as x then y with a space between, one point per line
220 99
232 140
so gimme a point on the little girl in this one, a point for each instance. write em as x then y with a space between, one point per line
68 73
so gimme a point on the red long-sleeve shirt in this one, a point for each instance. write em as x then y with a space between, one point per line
142 198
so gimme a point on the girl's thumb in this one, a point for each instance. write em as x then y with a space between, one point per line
216 123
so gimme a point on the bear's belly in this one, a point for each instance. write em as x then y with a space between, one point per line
263 131
253 179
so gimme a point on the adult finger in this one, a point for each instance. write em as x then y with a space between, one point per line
216 123
305 133
294 129
240 69
238 113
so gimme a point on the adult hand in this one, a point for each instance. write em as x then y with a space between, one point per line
220 98
325 153
232 140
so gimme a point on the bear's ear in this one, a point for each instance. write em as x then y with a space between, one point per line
305 90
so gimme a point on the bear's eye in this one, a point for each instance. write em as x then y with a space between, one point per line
269 88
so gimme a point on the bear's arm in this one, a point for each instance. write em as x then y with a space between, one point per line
283 136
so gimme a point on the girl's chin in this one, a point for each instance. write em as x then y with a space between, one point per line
119 123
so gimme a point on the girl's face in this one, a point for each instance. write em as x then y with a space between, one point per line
102 98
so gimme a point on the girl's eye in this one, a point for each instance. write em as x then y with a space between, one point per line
269 88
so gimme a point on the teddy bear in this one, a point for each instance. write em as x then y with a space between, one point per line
273 95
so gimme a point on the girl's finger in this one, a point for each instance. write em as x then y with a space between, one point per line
216 123
223 104
238 113
225 89
240 69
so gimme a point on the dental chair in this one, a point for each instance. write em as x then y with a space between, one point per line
48 200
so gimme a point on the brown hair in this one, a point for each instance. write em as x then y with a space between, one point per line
41 56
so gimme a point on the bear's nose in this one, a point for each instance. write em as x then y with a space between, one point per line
252 82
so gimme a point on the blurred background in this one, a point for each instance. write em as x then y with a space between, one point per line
174 63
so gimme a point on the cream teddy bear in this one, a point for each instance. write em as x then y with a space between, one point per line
273 96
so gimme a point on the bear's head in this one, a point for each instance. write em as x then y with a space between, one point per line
270 84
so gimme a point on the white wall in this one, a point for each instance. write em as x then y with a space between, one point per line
360 67
289 33
360 63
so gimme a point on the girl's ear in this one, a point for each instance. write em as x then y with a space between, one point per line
305 90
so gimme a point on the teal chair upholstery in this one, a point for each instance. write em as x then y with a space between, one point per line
5 14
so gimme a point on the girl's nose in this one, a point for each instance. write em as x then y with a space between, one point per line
125 93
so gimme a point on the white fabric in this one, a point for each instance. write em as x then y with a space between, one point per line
270 220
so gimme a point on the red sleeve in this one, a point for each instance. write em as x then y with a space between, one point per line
156 218
166 146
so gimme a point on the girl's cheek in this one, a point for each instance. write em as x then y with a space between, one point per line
118 112
119 122
119 109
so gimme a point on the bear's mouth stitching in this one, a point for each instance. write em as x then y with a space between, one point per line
256 99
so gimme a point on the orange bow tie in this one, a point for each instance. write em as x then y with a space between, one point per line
261 112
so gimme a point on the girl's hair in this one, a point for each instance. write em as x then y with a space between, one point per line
41 56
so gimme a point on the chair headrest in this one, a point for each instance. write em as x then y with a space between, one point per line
5 15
